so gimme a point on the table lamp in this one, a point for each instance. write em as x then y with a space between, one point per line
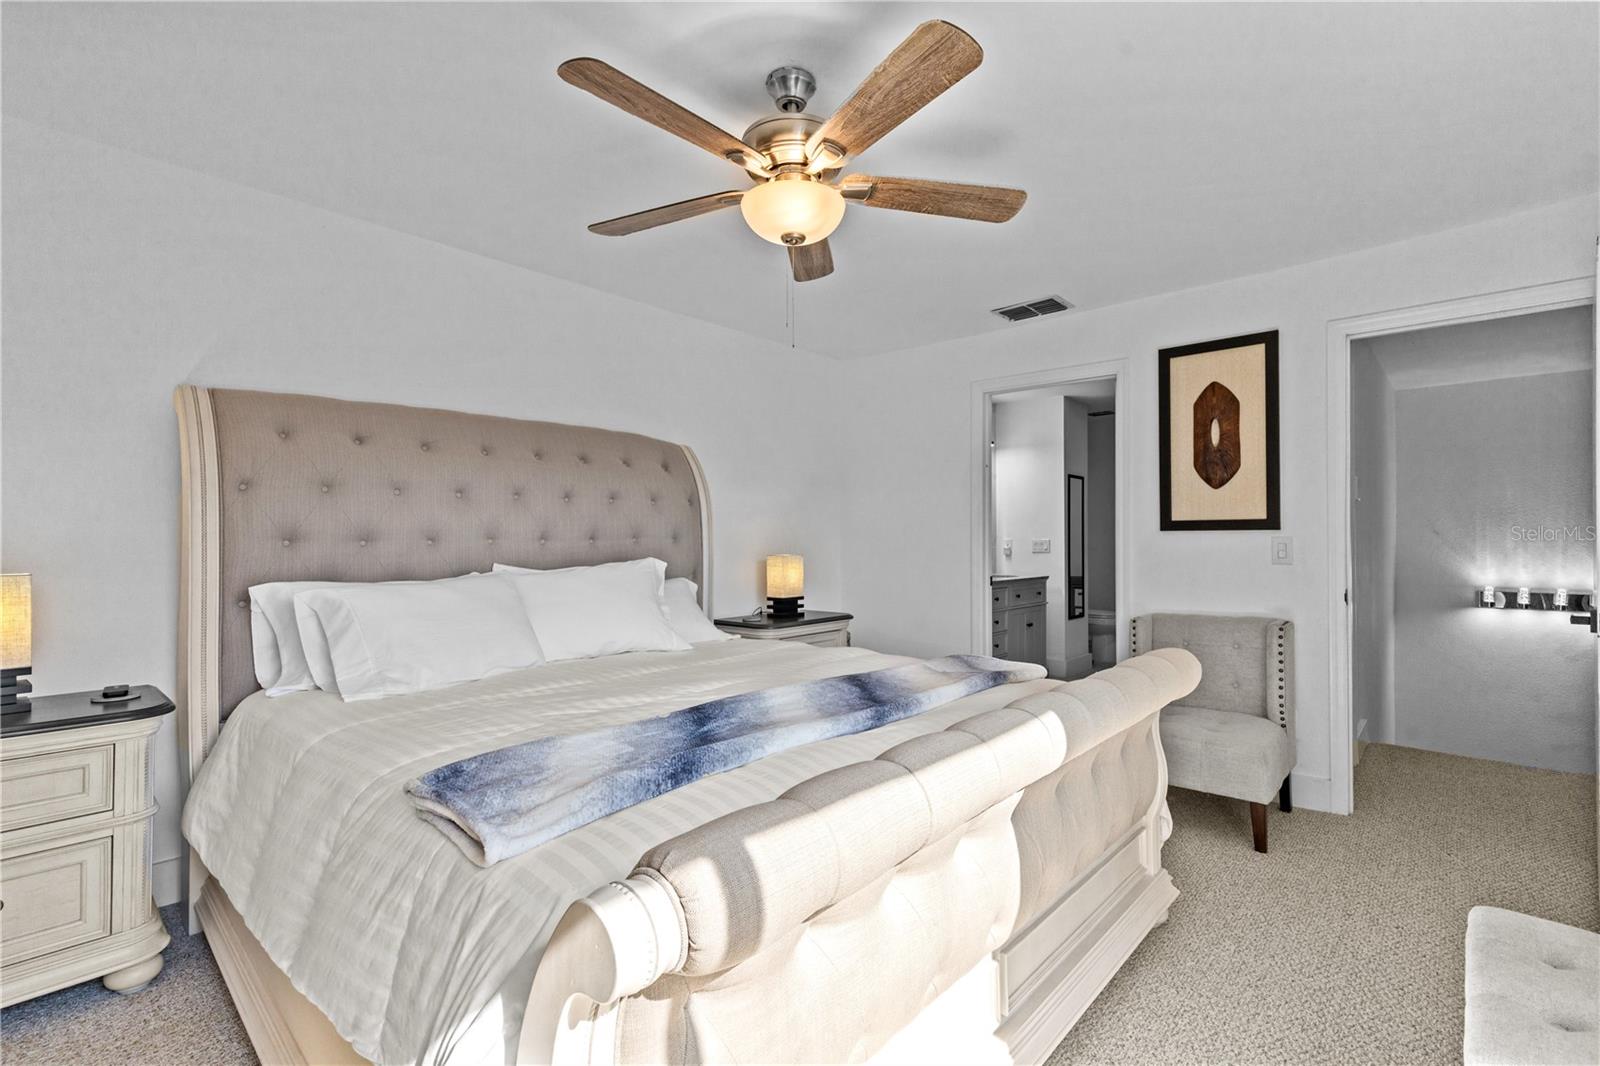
786 580
16 642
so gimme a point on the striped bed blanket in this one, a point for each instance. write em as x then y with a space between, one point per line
501 803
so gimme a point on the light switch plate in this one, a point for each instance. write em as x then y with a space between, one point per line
1282 551
1041 547
1005 547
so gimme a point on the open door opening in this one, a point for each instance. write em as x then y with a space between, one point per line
1050 586
1472 526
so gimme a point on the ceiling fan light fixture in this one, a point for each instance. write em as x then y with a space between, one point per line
793 210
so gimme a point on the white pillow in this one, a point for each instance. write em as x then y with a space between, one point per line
411 636
264 648
588 611
678 600
686 617
274 602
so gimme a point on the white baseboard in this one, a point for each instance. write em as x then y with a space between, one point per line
167 881
1311 792
1078 666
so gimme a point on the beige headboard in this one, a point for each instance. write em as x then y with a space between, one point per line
279 487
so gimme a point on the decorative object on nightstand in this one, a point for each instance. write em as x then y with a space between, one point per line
786 584
16 641
825 629
75 811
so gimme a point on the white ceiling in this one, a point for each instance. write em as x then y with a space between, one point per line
1549 342
1162 146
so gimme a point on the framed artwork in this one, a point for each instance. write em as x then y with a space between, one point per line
1219 434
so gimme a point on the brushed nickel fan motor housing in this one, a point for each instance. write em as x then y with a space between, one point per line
782 138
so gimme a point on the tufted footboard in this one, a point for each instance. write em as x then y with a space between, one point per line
969 889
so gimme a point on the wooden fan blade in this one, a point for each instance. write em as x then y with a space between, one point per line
983 203
933 58
641 101
811 261
660 216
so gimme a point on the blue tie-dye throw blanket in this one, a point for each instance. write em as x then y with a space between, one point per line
503 802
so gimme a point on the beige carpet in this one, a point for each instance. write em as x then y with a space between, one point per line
1343 945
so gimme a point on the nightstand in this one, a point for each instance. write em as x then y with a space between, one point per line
825 629
75 811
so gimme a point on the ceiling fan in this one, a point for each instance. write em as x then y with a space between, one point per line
794 158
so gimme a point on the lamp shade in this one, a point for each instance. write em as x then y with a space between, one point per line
16 621
786 576
792 210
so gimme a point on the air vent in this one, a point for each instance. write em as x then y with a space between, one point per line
1048 305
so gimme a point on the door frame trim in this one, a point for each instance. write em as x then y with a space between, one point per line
981 493
1506 303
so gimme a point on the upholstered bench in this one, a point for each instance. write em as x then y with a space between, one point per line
1234 735
1533 991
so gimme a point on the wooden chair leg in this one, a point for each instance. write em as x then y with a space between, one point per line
1284 803
1258 825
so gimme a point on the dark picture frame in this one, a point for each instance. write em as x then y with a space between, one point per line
1268 371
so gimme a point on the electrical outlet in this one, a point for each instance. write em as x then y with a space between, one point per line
1282 551
1041 547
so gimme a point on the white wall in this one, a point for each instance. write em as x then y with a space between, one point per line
1100 512
1372 542
911 456
1029 504
124 277
1495 486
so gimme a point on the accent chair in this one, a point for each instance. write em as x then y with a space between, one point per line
1234 734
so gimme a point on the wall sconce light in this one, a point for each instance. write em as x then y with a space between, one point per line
1533 599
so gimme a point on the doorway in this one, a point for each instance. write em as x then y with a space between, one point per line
1047 571
1467 459
1472 468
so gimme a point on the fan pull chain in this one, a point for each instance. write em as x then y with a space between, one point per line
789 302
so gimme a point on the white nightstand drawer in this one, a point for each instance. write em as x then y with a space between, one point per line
837 638
54 786
55 899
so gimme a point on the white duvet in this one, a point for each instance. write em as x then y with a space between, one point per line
415 953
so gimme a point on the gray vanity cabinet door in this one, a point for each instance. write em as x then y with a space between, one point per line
1028 645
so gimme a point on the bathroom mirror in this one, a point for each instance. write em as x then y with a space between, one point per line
1075 602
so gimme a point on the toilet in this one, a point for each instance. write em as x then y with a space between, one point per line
1103 638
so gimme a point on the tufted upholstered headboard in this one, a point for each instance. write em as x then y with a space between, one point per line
280 487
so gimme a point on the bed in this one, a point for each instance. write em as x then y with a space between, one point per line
957 886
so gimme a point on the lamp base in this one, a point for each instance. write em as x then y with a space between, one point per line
14 689
784 606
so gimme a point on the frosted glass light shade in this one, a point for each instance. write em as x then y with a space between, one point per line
792 210
16 621
786 576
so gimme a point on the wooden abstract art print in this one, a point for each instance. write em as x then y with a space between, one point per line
1219 434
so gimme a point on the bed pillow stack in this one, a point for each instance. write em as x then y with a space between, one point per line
403 637
364 640
584 612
